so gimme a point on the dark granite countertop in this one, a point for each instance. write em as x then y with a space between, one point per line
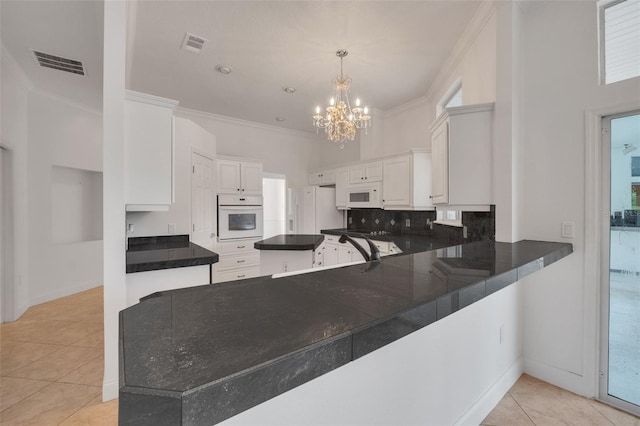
203 354
407 243
166 252
290 242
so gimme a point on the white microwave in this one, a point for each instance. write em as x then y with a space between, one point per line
367 195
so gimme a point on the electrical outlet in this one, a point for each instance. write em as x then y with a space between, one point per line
501 334
172 228
464 232
129 228
350 220
407 223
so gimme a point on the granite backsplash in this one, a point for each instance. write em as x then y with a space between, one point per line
480 225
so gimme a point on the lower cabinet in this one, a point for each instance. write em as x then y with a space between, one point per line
238 260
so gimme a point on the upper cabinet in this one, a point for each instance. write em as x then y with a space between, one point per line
325 177
148 152
406 182
461 156
239 177
366 172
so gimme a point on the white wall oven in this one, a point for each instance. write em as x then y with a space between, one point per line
239 216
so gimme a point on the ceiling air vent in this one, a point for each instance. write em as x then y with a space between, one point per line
193 43
59 63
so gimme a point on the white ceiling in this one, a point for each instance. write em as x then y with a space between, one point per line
69 29
396 49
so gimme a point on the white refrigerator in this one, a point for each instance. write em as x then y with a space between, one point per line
312 209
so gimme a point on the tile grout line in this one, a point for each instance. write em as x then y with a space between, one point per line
519 406
33 393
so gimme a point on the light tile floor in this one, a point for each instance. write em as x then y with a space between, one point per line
51 367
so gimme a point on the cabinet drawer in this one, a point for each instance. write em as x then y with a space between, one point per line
237 274
239 261
240 246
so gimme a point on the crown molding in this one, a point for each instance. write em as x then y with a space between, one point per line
186 112
422 100
132 95
485 11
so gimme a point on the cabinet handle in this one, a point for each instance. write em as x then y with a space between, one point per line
366 177
430 196
384 201
241 246
239 261
241 276
242 189
238 189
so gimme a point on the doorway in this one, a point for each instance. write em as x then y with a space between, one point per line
274 190
620 328
203 200
7 282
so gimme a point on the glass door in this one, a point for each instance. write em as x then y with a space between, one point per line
620 369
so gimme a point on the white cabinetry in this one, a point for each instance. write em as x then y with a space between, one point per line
342 181
325 177
367 172
148 152
406 182
461 156
238 260
238 177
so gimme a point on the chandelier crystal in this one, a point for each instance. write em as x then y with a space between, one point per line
341 122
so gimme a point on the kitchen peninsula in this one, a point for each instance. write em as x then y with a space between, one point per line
288 252
201 355
165 263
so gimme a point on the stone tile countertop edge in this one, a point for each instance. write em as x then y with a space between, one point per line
223 397
165 252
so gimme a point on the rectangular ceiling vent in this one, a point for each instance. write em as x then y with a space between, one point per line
59 63
193 43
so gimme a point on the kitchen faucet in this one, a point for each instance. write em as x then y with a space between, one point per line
375 252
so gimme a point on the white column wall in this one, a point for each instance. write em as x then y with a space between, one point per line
115 30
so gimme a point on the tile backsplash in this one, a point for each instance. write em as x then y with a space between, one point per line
480 225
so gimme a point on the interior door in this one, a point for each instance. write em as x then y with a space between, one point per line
620 354
203 201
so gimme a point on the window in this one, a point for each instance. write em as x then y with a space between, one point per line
619 40
451 98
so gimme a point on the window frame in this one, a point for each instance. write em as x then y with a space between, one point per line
448 95
602 5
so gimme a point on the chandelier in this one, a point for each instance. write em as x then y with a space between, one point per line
341 121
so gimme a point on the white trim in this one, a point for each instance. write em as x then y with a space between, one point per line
556 376
110 389
373 160
186 112
132 13
464 109
592 249
147 207
448 95
274 176
488 401
132 95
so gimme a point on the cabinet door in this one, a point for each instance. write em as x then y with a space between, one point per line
396 182
373 172
342 180
344 253
356 174
315 178
440 164
228 177
328 177
330 255
148 145
251 178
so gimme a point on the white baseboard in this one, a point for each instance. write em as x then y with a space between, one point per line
110 389
564 379
487 402
62 292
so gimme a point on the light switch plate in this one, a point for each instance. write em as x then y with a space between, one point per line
172 228
568 229
407 223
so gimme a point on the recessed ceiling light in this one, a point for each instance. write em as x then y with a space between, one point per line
223 69
289 89
280 119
